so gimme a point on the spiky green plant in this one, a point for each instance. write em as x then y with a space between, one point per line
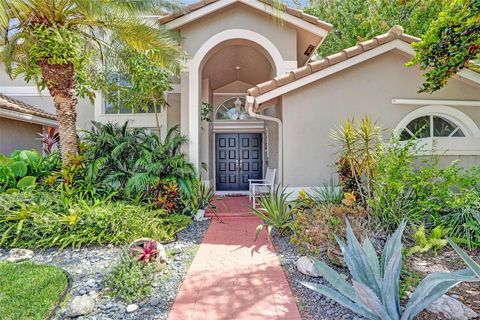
275 211
474 266
329 192
375 293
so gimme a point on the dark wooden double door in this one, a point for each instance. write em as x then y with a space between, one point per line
238 158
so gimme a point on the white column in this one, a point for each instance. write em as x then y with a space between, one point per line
193 116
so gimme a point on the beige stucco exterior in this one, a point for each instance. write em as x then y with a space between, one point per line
16 135
310 112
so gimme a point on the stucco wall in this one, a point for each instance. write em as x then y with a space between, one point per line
309 113
18 135
240 17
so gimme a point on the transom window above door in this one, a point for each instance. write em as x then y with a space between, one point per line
233 109
431 126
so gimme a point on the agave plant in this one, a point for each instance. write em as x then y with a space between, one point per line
374 293
275 211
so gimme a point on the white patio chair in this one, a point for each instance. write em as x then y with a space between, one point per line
261 186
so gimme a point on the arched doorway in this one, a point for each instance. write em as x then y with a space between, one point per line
233 145
225 66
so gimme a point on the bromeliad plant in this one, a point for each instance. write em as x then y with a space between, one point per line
147 252
375 293
275 211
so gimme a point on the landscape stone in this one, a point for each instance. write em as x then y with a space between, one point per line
80 305
132 308
18 255
305 265
451 309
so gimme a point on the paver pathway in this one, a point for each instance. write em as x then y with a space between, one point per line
234 277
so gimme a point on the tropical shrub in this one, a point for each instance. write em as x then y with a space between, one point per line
130 279
419 190
24 167
314 228
435 240
374 292
40 219
134 161
166 195
357 143
275 211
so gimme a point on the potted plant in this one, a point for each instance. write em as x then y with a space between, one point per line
203 200
148 250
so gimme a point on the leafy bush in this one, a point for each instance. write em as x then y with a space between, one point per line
135 162
419 190
314 228
44 220
374 293
275 211
22 169
166 195
434 241
130 279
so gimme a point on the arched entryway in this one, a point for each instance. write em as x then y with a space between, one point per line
225 74
221 71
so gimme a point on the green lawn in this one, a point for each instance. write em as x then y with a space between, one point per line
29 291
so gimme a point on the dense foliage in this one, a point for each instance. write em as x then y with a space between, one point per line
41 219
30 291
134 161
359 20
420 190
451 43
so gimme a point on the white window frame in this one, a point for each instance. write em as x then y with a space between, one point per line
468 145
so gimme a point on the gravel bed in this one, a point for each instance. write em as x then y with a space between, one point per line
88 266
312 305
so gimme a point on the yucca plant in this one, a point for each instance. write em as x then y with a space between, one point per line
275 211
329 192
374 292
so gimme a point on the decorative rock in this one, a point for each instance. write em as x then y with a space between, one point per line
90 283
132 308
452 309
18 255
305 265
79 306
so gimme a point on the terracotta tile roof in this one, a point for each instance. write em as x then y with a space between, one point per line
21 107
394 33
200 4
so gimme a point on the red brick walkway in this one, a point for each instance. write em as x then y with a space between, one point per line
234 277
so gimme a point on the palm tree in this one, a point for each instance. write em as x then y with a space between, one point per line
61 44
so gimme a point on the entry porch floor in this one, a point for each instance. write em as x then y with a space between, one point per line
234 277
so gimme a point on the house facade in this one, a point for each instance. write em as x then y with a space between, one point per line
251 96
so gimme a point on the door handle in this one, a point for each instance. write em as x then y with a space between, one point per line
237 165
241 165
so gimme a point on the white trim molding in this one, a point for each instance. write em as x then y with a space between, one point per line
255 4
458 103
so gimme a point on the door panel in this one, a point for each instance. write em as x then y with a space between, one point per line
238 159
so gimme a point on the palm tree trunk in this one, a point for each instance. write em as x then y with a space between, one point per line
60 81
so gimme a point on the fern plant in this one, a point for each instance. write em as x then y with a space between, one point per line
433 242
375 290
